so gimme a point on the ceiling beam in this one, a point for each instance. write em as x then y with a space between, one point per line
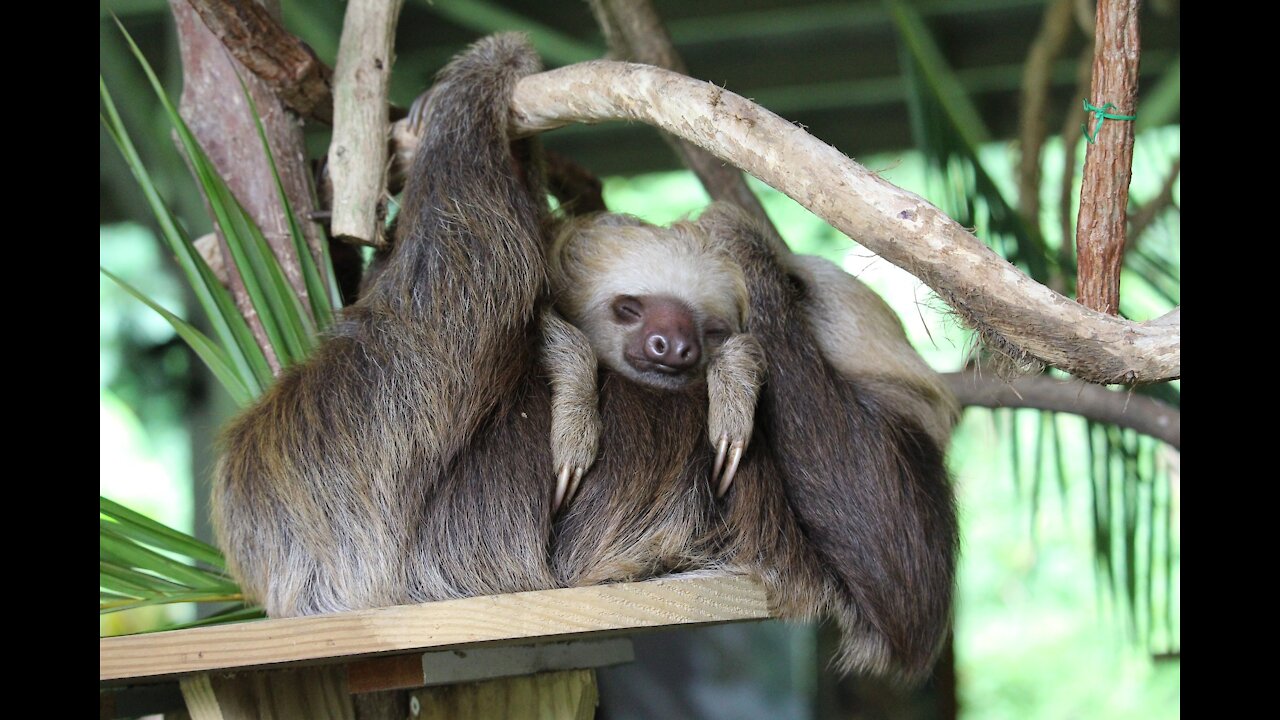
758 24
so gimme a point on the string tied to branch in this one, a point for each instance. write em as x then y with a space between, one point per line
1101 113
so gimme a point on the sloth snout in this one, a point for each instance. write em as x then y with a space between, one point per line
673 349
670 334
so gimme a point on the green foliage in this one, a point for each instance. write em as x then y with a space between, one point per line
1134 539
289 324
137 564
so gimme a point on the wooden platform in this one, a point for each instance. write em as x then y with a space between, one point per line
519 618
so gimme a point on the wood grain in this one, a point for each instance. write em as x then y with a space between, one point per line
557 614
568 695
318 693
358 151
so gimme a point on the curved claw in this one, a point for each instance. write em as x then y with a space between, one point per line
562 488
726 480
573 486
720 453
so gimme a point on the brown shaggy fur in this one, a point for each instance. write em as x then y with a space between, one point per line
409 458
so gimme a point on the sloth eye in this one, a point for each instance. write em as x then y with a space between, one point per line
716 334
628 309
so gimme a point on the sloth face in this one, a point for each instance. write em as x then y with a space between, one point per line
656 303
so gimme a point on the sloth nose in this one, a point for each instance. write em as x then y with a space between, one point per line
673 348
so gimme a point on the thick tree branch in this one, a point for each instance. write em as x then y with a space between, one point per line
278 58
1108 166
1014 313
1117 407
636 33
358 152
1037 76
214 106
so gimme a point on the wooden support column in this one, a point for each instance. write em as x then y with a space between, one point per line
567 695
315 693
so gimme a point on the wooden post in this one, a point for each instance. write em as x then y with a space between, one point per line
568 695
316 693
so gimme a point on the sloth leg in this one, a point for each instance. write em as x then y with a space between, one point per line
733 384
570 364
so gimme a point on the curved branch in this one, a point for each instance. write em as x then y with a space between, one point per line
1014 313
635 32
1117 407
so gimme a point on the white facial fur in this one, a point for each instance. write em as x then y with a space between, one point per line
595 260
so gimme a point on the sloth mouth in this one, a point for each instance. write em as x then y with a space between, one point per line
666 377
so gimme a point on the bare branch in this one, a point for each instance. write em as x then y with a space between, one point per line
1014 313
358 152
1147 214
636 33
1108 166
278 58
1036 79
1117 407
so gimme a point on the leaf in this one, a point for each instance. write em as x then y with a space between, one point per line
119 605
235 614
228 324
212 355
136 556
161 536
224 209
322 292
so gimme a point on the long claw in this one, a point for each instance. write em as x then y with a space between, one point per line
573 486
734 458
562 486
720 452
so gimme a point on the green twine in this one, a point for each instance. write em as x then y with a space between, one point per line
1102 113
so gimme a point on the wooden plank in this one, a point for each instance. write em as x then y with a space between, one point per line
567 695
316 693
554 614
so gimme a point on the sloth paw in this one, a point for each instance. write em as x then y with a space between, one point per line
567 481
575 439
731 450
733 383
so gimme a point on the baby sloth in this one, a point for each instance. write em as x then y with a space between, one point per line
663 307
842 505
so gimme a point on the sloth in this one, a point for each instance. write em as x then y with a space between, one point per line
709 405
